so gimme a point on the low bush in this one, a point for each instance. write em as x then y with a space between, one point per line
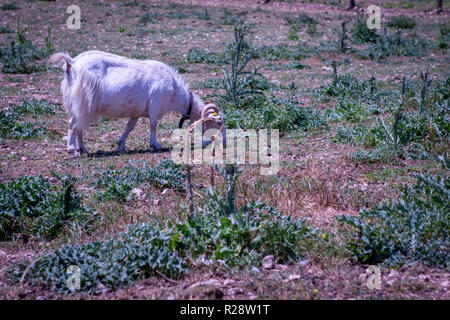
12 128
217 233
198 55
401 22
9 6
282 51
355 110
147 18
396 45
301 20
32 207
415 227
285 115
243 237
138 253
347 85
36 107
362 34
21 56
118 184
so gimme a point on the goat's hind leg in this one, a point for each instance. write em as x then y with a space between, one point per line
80 144
71 137
130 126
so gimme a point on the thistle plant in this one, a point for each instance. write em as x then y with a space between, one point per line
392 136
237 79
426 83
343 37
230 173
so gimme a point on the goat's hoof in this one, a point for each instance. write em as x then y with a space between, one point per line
76 154
121 149
156 146
70 150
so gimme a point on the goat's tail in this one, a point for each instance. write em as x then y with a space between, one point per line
62 56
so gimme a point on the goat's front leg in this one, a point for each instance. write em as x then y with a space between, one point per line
153 143
80 145
71 137
130 126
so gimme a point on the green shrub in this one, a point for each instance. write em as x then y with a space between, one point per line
9 6
292 33
413 228
285 115
362 34
444 36
240 237
396 45
296 65
243 237
118 184
138 253
177 15
147 18
21 55
202 15
30 206
355 110
301 20
229 18
443 89
5 29
347 86
413 133
216 232
12 128
36 107
381 153
198 55
361 134
210 83
282 51
401 22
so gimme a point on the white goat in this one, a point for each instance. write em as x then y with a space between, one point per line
100 84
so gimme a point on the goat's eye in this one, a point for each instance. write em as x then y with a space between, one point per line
215 114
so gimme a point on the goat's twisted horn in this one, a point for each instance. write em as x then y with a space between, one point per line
209 108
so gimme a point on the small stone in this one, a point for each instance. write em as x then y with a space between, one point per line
293 277
303 263
165 191
24 158
268 262
210 282
254 269
228 281
52 180
281 267
139 193
2 253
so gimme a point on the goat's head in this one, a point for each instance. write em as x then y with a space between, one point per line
211 119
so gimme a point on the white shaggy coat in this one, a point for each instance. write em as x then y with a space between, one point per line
98 84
